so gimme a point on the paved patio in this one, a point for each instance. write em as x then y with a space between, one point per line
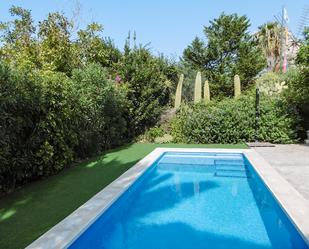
292 162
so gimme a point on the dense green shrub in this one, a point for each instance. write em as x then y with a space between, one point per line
298 81
63 99
47 120
101 120
271 83
153 133
148 82
37 136
233 121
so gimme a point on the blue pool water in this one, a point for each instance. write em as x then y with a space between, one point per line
194 201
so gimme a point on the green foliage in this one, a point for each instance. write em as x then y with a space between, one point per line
19 47
48 120
269 40
303 62
298 81
64 99
166 138
153 133
37 134
149 84
302 56
56 53
101 121
91 48
233 121
271 83
229 50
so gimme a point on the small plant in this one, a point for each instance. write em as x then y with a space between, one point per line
198 88
166 138
271 84
206 91
179 92
153 133
237 87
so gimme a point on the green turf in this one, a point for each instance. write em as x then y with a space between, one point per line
31 211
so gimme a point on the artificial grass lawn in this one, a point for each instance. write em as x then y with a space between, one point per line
31 211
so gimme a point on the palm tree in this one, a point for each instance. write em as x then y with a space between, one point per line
269 38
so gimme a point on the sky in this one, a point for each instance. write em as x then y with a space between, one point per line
168 25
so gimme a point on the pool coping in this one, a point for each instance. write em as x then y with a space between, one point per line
63 234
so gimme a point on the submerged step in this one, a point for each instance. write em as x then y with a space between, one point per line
233 173
234 161
231 167
206 159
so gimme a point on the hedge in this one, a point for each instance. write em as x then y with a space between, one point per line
233 121
47 120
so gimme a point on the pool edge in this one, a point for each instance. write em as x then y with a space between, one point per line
67 230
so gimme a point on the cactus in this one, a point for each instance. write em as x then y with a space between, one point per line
178 92
237 87
198 88
206 91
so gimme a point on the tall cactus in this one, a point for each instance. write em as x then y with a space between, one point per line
206 91
237 87
198 88
178 92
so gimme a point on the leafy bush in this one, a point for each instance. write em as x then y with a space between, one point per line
59 101
166 138
233 121
298 81
271 83
147 82
47 120
153 133
37 135
101 123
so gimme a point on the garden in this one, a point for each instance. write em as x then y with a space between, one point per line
76 112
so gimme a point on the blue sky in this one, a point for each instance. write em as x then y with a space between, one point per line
170 25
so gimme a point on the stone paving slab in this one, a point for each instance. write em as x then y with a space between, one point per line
292 162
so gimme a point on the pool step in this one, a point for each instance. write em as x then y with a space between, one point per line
231 168
233 173
225 167
230 161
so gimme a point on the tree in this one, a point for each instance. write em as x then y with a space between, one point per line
269 39
148 82
298 81
56 53
229 50
91 47
17 36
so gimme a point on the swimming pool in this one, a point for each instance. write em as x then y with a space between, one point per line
194 200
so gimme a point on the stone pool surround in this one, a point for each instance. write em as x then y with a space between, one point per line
65 232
